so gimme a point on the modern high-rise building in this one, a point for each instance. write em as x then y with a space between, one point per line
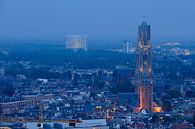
76 42
144 79
126 46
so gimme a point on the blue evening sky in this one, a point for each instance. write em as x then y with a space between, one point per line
99 19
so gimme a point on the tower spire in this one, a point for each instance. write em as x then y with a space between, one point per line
144 74
144 78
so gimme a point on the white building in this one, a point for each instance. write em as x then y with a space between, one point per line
85 124
76 42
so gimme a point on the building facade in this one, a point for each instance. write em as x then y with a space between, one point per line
76 42
126 46
144 80
12 107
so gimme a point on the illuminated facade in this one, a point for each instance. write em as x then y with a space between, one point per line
144 79
76 42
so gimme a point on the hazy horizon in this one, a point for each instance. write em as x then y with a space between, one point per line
100 20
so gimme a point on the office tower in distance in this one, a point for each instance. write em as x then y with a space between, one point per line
2 72
144 73
126 46
76 42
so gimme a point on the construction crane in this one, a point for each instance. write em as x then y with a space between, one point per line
40 120
41 115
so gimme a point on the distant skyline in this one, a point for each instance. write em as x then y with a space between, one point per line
99 19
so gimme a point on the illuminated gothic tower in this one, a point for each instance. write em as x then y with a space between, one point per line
144 79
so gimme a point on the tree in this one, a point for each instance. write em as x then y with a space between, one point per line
173 94
6 87
166 106
192 120
122 88
190 94
154 119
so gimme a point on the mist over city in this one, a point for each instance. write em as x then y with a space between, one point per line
83 64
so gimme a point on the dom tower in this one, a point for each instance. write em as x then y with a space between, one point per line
144 79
